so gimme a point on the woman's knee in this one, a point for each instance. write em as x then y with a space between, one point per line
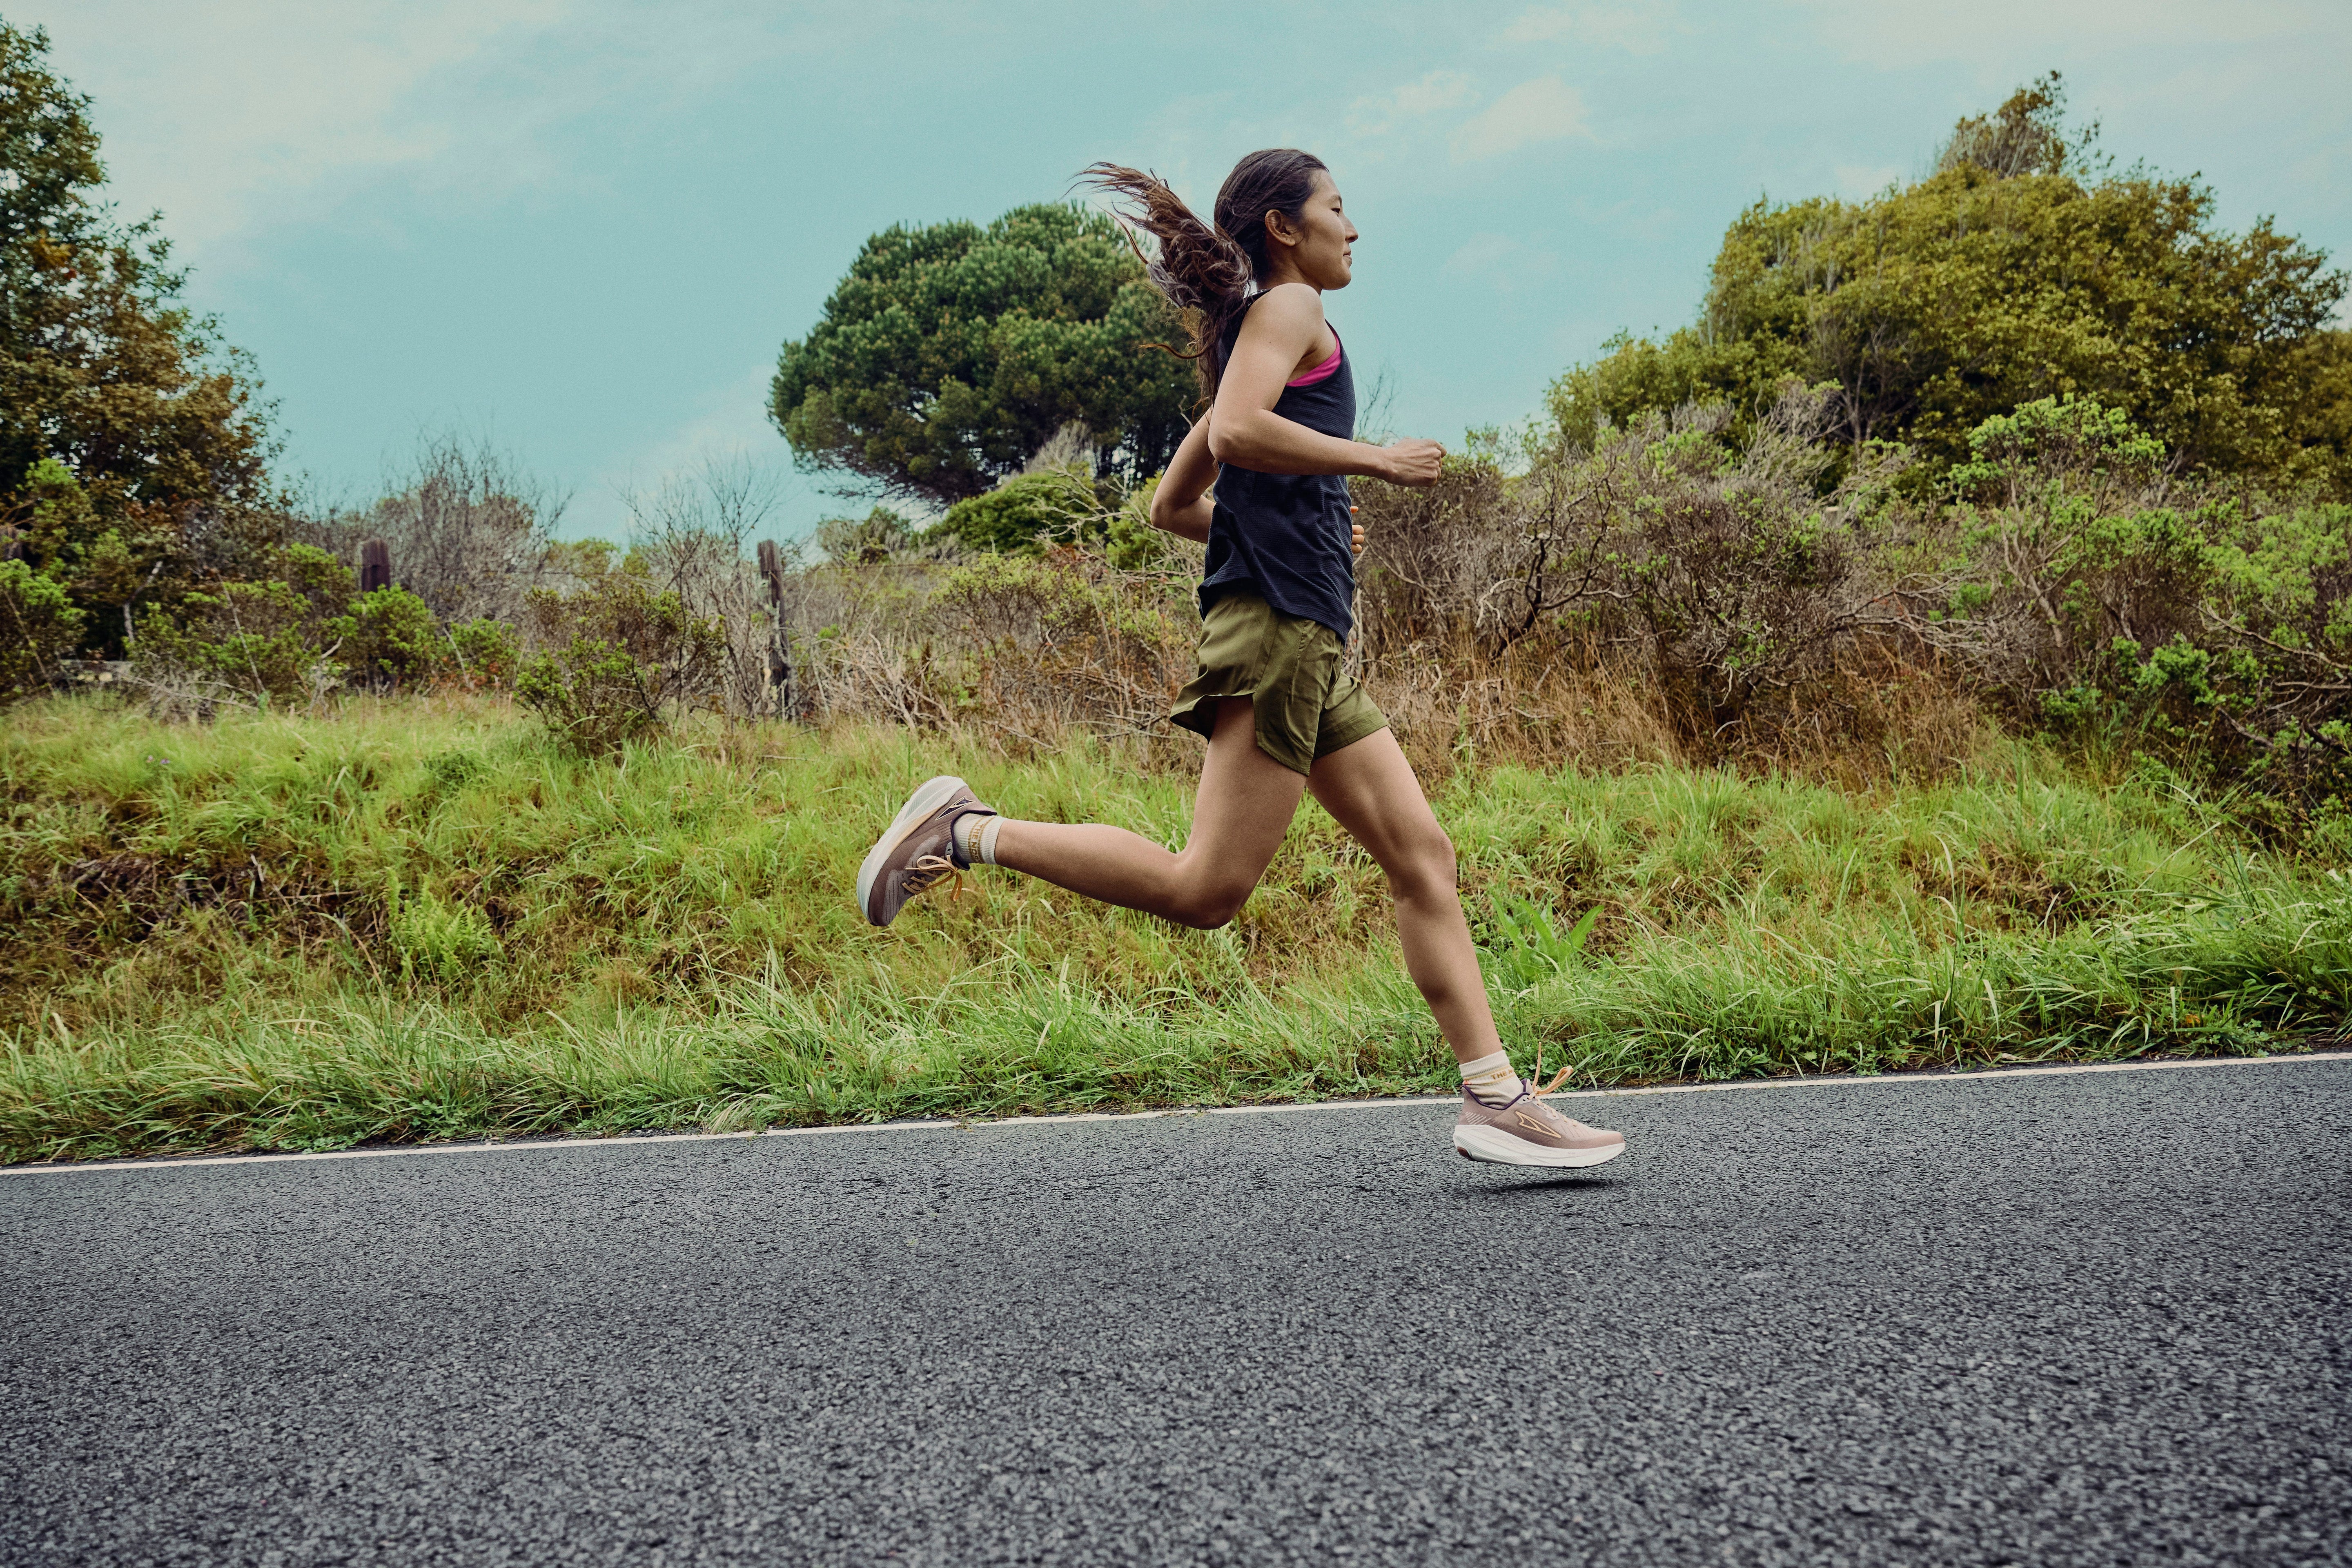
1209 902
1425 865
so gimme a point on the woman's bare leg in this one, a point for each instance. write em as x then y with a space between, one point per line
1244 807
1370 790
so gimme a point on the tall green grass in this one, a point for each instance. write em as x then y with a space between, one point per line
416 919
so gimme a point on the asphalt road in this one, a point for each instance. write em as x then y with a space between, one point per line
2095 1319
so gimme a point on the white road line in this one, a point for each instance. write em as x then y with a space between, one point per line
1832 1080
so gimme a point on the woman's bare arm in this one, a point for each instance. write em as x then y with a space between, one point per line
1278 334
1180 505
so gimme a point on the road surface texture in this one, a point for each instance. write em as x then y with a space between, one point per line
2037 1319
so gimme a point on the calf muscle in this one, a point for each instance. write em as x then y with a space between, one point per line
1245 806
1370 790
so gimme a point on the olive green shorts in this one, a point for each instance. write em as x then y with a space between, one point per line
1295 674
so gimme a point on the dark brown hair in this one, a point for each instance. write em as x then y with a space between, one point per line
1210 271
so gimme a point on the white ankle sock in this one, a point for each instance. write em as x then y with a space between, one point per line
975 838
1491 1080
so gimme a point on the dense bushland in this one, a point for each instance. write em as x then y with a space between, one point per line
1684 589
1776 595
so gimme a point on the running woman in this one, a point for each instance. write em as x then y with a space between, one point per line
1273 695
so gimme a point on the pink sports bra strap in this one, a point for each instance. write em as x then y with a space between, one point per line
1322 372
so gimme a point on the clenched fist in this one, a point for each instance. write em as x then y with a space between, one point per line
1411 462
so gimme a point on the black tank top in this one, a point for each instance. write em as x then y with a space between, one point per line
1284 537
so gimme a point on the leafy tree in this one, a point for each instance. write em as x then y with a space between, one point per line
950 355
2023 267
132 453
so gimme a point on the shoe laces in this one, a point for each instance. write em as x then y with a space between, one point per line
1536 1088
928 871
1558 1078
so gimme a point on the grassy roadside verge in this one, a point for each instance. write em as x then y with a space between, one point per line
415 921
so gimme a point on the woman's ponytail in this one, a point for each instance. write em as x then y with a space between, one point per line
1210 271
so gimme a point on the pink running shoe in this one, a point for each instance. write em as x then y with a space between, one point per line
1529 1133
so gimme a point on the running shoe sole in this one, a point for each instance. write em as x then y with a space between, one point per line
1494 1147
920 805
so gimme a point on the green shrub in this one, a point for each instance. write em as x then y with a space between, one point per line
262 641
617 661
484 651
1132 544
39 626
64 536
390 640
863 540
2101 596
243 640
1022 512
324 583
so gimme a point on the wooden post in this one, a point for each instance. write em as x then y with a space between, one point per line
780 648
375 565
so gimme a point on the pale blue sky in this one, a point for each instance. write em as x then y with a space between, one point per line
584 226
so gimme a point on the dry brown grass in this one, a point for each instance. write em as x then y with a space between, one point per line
1454 703
1028 652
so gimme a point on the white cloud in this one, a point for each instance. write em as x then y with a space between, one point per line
221 114
1543 110
1434 94
1481 252
1498 259
232 117
1866 180
730 421
1639 30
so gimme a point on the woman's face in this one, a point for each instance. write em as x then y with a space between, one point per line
1320 245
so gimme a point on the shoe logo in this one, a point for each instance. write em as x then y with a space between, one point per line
1532 1125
